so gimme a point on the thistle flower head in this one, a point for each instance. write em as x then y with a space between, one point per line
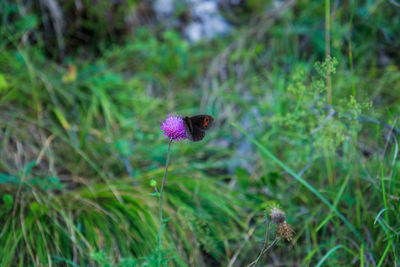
173 127
277 215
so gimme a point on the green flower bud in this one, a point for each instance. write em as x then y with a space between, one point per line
153 183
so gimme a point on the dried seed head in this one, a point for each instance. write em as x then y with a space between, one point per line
277 215
284 230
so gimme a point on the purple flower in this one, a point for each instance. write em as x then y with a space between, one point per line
173 127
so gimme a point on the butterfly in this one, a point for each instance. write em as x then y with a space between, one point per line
197 126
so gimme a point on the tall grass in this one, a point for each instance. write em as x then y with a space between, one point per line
80 140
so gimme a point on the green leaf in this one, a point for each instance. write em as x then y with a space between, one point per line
3 83
8 201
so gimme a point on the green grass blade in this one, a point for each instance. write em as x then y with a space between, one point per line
327 255
384 253
338 197
379 215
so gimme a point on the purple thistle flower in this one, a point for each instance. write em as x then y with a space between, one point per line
173 127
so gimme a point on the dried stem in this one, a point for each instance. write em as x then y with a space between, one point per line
249 234
264 248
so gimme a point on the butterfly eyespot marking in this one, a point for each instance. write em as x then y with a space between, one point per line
206 121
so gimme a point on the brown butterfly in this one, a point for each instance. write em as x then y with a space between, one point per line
197 126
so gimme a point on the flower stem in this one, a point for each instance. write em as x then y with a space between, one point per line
263 250
160 206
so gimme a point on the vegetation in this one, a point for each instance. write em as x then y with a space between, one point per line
306 100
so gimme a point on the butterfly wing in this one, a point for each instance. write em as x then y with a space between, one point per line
197 134
203 122
196 126
188 127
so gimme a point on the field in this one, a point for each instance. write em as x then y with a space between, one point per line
300 167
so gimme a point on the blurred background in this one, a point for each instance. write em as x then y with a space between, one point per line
300 90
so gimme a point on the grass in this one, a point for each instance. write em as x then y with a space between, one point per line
80 140
304 183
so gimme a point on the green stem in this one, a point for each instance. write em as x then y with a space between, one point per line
351 51
328 49
160 205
